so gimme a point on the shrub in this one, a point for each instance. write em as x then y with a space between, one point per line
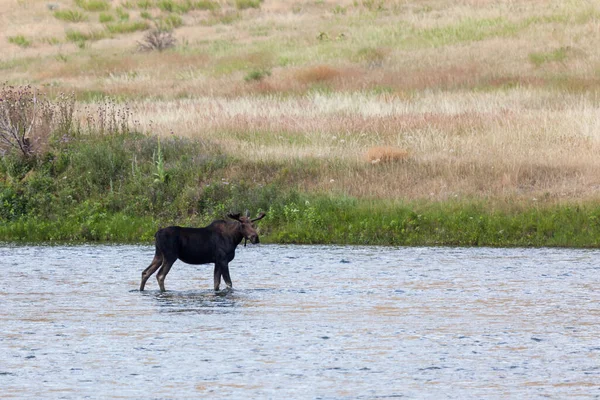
166 5
145 4
171 22
122 14
93 5
157 39
127 26
106 18
20 41
245 4
81 37
558 55
25 120
206 5
374 57
12 204
70 15
257 75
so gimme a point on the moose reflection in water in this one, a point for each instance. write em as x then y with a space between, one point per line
215 243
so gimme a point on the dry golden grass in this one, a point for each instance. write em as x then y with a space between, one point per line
489 99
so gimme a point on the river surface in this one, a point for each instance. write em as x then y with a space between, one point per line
303 322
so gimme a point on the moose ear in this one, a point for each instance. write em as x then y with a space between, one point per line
261 216
234 216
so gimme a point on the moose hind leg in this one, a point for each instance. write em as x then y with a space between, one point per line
162 274
147 273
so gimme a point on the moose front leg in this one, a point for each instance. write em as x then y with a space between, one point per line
217 276
226 277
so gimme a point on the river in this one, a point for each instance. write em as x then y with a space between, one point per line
303 322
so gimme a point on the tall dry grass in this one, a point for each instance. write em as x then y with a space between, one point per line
520 143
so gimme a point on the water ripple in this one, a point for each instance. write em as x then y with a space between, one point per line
315 322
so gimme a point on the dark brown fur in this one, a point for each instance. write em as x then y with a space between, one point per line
215 243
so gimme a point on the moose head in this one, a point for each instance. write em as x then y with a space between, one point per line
247 228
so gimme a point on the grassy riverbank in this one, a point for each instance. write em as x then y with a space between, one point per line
396 122
122 187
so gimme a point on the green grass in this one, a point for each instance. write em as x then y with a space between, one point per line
121 187
20 41
127 26
105 18
81 37
166 5
122 14
93 5
70 15
245 4
145 4
540 58
171 21
206 5
257 75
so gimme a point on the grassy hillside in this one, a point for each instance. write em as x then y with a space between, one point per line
435 108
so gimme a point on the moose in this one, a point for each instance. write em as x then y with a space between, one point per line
215 243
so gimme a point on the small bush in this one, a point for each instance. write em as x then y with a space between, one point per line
122 14
19 40
374 57
105 18
228 18
52 41
81 37
157 39
27 120
171 22
558 55
127 26
206 5
245 4
257 75
70 15
93 5
339 10
372 5
145 4
166 5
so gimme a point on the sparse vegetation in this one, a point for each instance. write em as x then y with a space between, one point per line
126 26
70 15
245 4
19 40
206 5
93 5
145 4
170 22
257 75
81 37
105 18
540 58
